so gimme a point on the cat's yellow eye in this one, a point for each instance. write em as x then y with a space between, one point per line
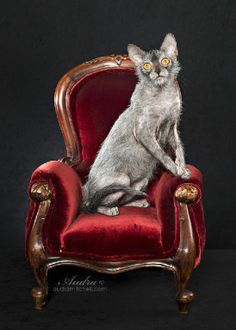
165 61
147 66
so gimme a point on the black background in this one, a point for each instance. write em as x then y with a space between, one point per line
41 40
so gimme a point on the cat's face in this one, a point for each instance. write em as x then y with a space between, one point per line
156 66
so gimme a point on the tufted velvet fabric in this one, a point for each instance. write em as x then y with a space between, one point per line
95 103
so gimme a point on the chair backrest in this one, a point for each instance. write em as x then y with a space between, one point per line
89 99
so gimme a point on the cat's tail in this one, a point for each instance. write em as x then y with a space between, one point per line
92 205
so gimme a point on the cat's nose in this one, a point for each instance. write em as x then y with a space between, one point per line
158 70
153 75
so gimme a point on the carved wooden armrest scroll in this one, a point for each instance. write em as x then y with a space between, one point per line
186 193
69 161
41 191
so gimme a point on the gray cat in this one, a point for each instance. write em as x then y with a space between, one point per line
134 147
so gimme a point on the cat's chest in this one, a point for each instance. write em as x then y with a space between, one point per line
163 101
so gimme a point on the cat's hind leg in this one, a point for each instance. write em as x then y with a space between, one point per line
139 203
122 179
139 185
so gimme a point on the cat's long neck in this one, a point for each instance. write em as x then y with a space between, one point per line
147 87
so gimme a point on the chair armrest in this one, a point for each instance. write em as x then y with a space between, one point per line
166 194
60 183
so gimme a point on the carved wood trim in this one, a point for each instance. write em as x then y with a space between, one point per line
38 257
37 254
185 257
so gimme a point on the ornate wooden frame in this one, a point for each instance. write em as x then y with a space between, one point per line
181 264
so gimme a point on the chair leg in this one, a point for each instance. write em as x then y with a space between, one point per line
40 297
37 255
183 296
184 259
40 293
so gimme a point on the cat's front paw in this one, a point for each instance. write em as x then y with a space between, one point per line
178 162
184 173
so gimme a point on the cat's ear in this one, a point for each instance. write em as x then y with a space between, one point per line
135 54
169 46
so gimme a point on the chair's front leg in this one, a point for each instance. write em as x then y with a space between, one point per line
36 252
184 259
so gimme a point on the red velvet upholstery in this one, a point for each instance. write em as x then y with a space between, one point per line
134 234
66 201
162 192
95 102
137 233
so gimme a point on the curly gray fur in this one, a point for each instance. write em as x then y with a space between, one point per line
134 147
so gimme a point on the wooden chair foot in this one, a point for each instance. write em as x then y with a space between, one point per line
183 299
39 296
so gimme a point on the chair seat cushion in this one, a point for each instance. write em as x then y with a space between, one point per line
134 234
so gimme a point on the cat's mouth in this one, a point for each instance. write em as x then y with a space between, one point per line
161 77
160 80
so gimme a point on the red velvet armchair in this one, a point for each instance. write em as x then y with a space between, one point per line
168 234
